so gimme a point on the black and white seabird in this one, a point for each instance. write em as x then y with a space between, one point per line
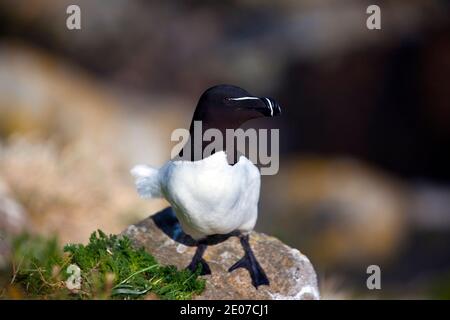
208 195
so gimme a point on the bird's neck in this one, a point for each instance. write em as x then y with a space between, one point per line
202 142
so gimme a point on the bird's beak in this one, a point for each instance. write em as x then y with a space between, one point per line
265 106
272 107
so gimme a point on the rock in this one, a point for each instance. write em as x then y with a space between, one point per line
13 218
291 274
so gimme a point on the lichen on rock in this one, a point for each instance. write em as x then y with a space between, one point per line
291 274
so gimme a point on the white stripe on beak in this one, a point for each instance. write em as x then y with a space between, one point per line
270 106
244 98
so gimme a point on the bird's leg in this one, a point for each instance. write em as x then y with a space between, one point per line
198 259
249 262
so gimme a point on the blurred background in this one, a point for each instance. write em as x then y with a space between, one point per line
365 131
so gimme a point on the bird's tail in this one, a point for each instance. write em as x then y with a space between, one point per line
147 181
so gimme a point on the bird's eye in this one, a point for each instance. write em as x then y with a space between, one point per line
228 101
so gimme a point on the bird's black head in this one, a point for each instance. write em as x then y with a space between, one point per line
225 107
228 107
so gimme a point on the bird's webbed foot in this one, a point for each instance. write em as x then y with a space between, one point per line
198 260
249 262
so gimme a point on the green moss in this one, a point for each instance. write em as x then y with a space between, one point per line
36 262
110 267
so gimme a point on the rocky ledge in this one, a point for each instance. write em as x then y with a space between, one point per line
291 274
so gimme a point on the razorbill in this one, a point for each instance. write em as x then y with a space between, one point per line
208 195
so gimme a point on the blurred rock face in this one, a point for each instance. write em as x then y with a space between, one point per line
186 46
340 211
13 218
67 145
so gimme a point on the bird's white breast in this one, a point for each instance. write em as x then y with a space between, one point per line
210 196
